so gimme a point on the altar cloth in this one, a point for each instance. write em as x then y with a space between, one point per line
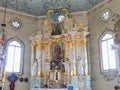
49 89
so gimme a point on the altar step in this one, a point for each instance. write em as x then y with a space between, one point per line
59 89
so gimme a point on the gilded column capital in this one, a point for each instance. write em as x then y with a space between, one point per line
39 36
82 26
72 33
85 33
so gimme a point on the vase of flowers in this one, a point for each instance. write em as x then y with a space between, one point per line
117 87
45 86
64 85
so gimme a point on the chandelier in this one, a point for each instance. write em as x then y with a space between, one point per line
56 4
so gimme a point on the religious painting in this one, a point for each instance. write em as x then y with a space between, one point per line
57 28
56 15
57 62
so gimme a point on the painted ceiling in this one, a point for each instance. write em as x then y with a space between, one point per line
40 7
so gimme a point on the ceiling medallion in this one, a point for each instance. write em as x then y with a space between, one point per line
106 14
16 23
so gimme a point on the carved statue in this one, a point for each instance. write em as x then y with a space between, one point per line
80 66
35 68
56 30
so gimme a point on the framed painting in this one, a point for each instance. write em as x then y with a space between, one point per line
57 28
57 56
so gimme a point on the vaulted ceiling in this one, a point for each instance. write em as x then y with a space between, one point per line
40 7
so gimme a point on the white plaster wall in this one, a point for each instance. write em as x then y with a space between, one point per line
96 28
29 24
80 17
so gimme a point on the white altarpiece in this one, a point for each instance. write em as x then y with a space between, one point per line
58 53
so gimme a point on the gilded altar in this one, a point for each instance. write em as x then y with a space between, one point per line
58 50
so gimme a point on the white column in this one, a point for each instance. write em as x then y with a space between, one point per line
73 52
39 53
85 62
32 55
32 49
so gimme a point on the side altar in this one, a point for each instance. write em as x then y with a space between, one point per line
58 52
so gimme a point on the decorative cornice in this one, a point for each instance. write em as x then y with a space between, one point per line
98 5
17 12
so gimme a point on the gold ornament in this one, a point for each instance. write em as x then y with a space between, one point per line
32 47
36 40
78 36
42 74
78 42
84 42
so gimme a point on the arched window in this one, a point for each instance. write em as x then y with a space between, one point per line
107 52
15 50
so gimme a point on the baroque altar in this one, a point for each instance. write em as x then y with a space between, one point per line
58 52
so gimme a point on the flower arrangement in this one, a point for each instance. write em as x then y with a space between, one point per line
64 85
116 87
45 86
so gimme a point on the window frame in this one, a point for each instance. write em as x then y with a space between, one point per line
22 54
100 55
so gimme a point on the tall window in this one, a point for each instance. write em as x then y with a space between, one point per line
107 53
14 56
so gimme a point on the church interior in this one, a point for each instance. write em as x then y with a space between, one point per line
59 45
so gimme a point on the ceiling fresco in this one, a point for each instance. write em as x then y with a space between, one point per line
40 7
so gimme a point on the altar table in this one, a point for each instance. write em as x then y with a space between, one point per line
49 89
